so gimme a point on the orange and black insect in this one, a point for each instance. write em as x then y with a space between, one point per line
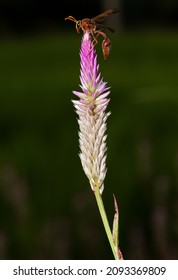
95 28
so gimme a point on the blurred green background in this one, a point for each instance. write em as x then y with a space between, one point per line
47 210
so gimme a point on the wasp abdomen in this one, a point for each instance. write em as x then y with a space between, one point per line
106 48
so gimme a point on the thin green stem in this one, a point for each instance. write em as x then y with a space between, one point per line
105 221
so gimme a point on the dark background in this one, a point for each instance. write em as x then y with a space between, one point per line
47 210
31 16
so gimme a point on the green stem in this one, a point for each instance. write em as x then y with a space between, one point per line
105 221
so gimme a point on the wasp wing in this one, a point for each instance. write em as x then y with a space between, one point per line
103 26
101 17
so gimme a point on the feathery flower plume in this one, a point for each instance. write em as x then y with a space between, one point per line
92 116
91 106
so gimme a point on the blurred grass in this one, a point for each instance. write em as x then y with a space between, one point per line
39 145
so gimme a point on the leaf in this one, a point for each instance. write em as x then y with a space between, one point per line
115 231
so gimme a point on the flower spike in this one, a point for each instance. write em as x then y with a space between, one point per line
91 106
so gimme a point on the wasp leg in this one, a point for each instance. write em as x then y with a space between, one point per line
99 32
94 41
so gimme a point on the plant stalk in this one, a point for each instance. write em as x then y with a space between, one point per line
105 222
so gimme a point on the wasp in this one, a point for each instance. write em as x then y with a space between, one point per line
95 28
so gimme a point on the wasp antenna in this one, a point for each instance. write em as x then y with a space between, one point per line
71 18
